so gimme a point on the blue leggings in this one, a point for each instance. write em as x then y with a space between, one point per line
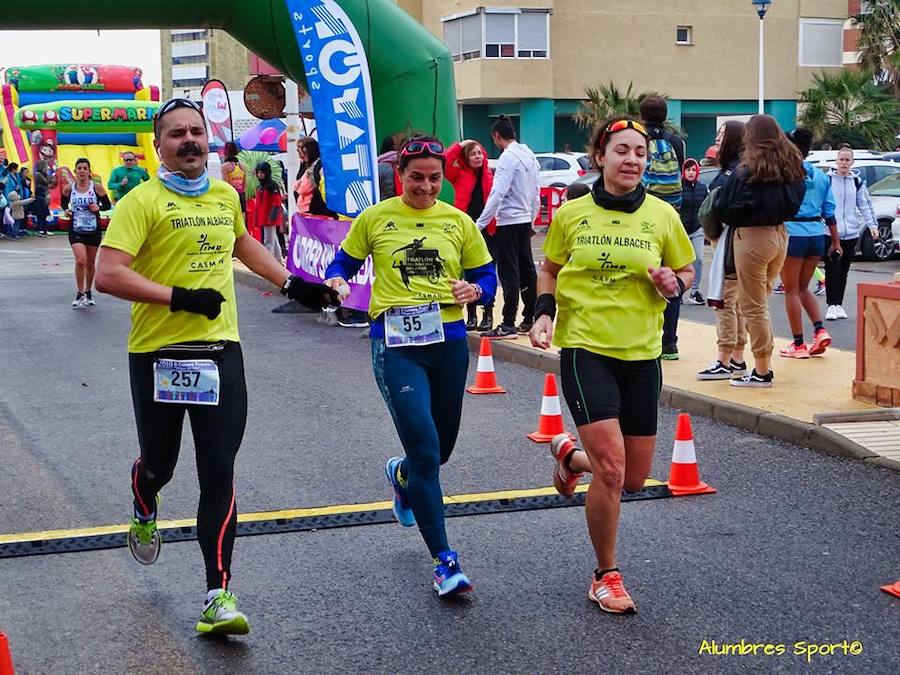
423 388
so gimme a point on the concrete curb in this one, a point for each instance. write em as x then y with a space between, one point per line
745 417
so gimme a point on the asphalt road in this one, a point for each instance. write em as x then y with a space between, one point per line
792 548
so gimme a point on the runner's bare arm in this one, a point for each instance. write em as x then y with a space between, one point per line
258 258
541 334
115 276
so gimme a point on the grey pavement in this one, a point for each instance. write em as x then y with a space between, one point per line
793 547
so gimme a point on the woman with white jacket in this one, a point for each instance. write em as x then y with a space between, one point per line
853 211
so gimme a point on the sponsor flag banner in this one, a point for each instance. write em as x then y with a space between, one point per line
313 245
337 78
217 109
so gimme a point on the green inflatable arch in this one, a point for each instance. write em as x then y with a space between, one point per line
411 70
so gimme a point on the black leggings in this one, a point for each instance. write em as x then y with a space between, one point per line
836 272
218 431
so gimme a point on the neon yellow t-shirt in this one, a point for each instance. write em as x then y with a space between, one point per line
606 300
179 241
415 253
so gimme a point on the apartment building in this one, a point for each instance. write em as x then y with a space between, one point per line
192 56
533 59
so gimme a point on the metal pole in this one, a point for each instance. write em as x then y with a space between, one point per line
762 61
292 121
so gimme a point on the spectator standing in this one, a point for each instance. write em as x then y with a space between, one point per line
17 212
267 212
765 191
472 179
13 180
388 176
693 192
852 201
40 208
232 172
125 178
515 202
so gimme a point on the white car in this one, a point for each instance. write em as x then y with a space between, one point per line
821 156
884 201
560 169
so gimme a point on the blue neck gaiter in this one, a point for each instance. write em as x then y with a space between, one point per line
180 184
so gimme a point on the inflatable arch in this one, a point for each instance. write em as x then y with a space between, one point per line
411 70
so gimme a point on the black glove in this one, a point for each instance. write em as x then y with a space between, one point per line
204 301
314 296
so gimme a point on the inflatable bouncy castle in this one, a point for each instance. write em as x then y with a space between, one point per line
62 112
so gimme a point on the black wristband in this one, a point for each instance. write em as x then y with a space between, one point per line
681 286
545 304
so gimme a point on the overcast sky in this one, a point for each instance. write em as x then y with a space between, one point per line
138 48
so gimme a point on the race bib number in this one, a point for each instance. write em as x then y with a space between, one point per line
194 381
413 326
85 222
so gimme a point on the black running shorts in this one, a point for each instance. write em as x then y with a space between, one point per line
86 238
603 388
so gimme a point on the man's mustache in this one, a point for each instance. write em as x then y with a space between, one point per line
189 149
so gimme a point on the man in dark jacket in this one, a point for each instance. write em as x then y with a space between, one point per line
693 192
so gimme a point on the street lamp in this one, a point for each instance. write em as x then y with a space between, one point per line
761 7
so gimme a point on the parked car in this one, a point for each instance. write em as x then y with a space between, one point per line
819 156
560 169
886 204
870 170
707 173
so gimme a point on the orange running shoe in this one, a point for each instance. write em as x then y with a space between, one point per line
821 340
610 594
564 479
793 351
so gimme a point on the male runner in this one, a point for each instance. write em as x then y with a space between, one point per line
168 249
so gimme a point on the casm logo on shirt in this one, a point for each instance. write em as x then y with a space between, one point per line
414 260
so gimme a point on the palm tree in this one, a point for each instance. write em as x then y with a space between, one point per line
850 105
879 41
605 101
248 160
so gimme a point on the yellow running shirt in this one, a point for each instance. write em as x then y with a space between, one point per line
415 253
179 241
607 302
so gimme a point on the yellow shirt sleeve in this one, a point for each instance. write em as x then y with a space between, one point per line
556 245
356 244
677 250
129 225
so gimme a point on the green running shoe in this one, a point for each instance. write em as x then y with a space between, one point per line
144 541
220 616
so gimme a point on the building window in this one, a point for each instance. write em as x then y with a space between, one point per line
193 48
190 72
821 42
498 34
684 35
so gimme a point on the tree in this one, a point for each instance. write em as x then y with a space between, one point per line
607 100
850 105
248 160
879 41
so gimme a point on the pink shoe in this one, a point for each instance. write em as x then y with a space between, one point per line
792 351
564 479
819 343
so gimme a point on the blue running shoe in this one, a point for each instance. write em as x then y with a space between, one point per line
449 579
402 510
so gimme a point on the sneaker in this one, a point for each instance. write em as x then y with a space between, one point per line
841 313
779 289
564 479
449 579
524 328
820 342
669 353
820 288
831 313
328 317
501 332
78 302
695 298
610 594
402 510
144 541
88 299
486 322
472 323
221 617
716 371
351 318
794 351
738 367
753 379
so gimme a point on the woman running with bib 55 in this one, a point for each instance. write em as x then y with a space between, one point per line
84 199
612 259
421 249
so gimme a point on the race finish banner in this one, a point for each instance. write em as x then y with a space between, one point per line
313 245
337 78
217 108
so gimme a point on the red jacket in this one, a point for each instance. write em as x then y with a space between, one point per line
463 178
268 208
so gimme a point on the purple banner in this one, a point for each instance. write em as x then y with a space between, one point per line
314 242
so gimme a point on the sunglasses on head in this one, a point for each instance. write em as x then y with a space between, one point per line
621 125
173 104
422 147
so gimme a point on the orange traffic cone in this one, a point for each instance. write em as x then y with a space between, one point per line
6 664
485 378
684 476
551 422
892 589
